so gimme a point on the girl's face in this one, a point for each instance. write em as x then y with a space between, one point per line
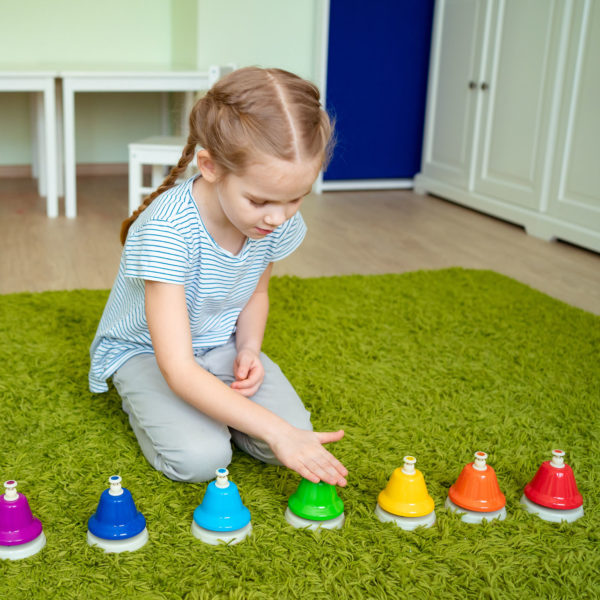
266 195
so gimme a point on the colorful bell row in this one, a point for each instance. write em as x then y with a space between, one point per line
118 526
552 494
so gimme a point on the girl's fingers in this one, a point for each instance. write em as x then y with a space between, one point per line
307 456
251 375
337 465
334 463
308 474
326 471
241 370
248 393
336 468
243 384
325 437
252 383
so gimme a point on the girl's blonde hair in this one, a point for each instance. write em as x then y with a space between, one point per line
270 111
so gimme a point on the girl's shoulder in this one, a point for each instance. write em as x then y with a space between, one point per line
292 227
286 238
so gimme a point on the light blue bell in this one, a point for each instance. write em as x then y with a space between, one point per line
221 517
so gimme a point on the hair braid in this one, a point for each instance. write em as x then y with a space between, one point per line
186 157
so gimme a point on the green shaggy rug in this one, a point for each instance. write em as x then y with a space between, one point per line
436 364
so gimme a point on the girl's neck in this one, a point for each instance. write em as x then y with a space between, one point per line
215 221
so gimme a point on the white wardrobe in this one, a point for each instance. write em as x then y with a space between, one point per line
513 113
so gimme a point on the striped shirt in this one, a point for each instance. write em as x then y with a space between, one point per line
168 242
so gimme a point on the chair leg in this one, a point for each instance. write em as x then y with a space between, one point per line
135 182
158 175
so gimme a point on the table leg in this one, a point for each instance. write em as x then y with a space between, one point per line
40 145
60 180
36 116
49 167
69 149
135 182
165 126
188 103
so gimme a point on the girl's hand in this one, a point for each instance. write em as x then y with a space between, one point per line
303 452
248 371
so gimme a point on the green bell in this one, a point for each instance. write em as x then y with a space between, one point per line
315 505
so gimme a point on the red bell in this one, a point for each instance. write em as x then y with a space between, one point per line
552 493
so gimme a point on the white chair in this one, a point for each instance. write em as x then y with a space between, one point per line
159 152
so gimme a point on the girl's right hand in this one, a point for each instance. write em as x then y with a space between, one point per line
303 452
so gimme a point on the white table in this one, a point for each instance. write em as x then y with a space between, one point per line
165 80
42 83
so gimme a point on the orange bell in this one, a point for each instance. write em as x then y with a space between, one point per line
476 492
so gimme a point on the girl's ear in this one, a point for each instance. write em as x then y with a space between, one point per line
206 166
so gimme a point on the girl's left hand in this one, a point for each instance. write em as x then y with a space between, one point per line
248 371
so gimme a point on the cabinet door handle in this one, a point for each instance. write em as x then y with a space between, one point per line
485 86
472 85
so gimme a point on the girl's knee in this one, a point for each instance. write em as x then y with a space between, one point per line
255 447
300 418
197 464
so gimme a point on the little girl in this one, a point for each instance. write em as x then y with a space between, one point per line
183 327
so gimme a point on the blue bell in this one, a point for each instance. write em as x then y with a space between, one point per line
117 525
221 517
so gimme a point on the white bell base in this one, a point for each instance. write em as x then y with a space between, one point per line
113 546
23 550
214 538
554 515
406 523
301 523
473 516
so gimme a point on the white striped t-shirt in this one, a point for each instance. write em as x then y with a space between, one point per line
168 242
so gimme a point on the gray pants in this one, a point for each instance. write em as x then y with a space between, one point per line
184 443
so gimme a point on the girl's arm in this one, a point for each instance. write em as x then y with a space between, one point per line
250 330
169 326
253 319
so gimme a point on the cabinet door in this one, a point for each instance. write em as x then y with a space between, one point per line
451 100
575 188
516 94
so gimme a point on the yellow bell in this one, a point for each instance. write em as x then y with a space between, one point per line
406 496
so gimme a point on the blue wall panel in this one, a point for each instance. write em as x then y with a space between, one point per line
376 86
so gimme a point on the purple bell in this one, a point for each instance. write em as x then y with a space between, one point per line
21 533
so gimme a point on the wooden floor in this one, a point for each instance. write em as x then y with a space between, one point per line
348 232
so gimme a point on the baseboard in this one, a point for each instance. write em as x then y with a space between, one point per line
365 184
537 224
102 168
25 171
10 171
